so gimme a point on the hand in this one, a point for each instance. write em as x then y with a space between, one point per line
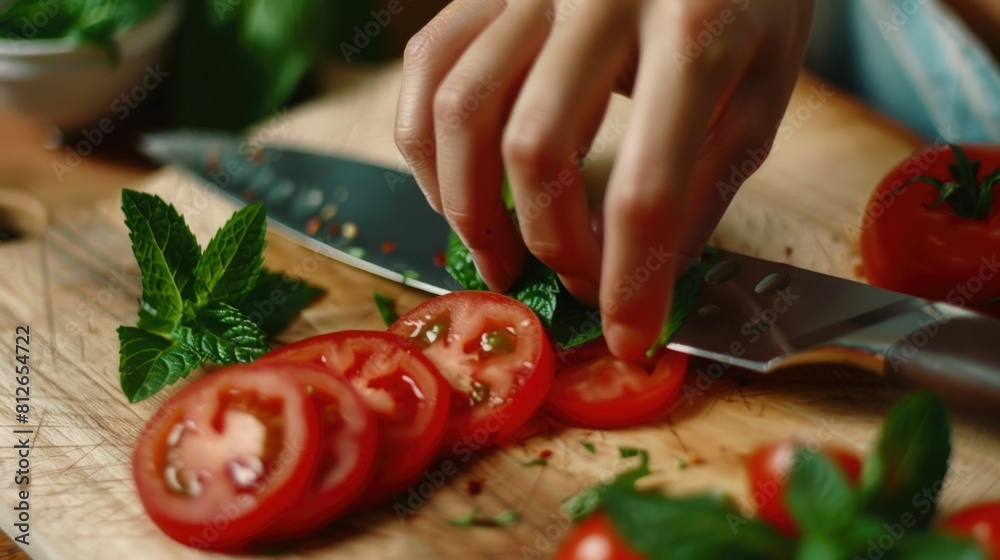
522 85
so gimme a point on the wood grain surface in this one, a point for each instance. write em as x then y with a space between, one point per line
77 281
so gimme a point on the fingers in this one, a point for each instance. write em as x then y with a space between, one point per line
470 108
647 203
556 115
429 56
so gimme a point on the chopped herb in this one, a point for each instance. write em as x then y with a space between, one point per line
536 462
589 447
475 519
681 464
626 452
386 308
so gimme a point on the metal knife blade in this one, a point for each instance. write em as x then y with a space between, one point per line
750 312
367 216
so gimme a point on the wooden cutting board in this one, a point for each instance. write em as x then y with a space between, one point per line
77 281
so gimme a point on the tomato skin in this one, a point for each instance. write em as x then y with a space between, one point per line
346 464
769 468
187 437
494 353
981 522
595 538
408 394
932 254
595 390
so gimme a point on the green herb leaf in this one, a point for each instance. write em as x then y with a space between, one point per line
149 362
276 299
386 308
538 288
475 519
536 462
935 546
458 263
685 294
626 452
901 479
166 252
589 447
226 336
230 265
692 528
819 496
575 324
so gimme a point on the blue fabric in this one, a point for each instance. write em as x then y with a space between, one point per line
913 60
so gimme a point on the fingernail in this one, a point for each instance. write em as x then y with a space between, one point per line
492 272
625 342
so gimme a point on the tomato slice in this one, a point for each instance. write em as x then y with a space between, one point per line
403 388
495 355
595 538
595 390
347 452
226 456
770 467
982 523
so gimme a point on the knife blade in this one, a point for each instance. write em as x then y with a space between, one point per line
749 312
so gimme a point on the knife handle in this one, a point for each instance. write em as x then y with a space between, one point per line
956 355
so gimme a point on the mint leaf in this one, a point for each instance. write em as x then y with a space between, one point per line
575 324
276 299
933 546
166 252
819 547
691 528
538 288
685 294
386 308
149 362
230 265
589 447
458 263
901 479
819 496
226 336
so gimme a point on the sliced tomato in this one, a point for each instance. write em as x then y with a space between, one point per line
595 538
495 355
770 468
595 390
407 394
982 523
227 455
347 452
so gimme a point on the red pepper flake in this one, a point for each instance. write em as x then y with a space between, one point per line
788 252
256 154
439 259
474 487
388 247
248 195
212 162
545 454
334 229
313 226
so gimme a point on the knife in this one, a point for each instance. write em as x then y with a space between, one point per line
749 313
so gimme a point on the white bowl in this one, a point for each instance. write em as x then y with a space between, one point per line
67 85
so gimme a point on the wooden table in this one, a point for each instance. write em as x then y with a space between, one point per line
76 281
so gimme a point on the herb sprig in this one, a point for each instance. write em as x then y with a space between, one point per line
890 510
219 305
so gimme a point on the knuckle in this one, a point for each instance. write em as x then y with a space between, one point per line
456 97
637 206
420 49
549 251
531 145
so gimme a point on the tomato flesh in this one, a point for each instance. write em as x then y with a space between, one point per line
494 353
595 538
595 390
933 254
347 453
402 387
982 523
226 456
770 467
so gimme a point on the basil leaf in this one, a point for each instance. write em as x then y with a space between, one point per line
276 299
226 336
538 288
691 528
149 362
166 251
231 263
819 496
386 308
901 479
685 294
